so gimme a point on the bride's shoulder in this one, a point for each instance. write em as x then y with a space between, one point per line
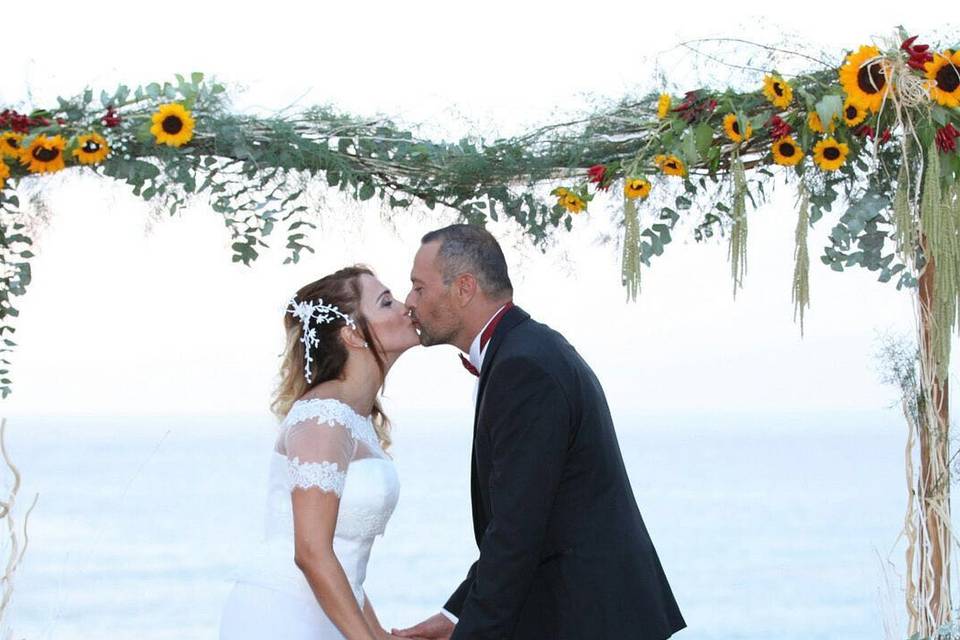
320 411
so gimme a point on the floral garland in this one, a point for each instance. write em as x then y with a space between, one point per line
173 141
884 108
860 135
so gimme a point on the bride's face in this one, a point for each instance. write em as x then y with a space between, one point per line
389 319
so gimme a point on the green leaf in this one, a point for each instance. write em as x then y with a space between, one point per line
704 138
940 115
367 191
830 107
688 148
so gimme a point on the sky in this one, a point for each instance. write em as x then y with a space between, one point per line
134 313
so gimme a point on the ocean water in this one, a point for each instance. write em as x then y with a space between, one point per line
768 526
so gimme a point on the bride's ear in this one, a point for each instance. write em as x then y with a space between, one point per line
352 338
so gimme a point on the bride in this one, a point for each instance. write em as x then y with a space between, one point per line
332 486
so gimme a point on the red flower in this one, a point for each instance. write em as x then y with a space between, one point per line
885 136
694 106
866 131
598 174
919 54
111 119
947 138
779 128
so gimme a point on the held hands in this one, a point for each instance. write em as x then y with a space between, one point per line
437 627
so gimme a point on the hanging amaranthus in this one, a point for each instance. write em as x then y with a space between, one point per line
738 232
905 223
631 249
942 253
801 269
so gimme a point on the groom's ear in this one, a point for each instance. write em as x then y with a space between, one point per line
464 288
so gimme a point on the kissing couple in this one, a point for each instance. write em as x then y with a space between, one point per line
563 551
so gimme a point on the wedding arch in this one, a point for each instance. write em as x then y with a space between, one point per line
873 137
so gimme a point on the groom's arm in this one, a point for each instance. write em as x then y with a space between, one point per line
455 603
529 420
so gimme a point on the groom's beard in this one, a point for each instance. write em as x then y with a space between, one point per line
428 338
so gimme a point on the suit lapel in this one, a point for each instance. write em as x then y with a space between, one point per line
510 319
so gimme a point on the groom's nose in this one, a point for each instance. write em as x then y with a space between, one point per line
409 301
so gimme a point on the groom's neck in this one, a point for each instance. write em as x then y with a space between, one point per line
476 319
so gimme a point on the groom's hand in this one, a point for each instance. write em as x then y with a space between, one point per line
436 627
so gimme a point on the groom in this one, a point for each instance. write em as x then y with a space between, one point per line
564 552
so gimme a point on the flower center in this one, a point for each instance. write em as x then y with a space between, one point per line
172 125
12 143
852 112
870 78
831 153
91 146
948 78
45 155
787 149
777 89
736 127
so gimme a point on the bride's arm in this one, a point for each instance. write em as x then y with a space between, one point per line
372 620
314 521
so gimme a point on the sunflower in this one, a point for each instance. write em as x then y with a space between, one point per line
778 92
4 174
92 148
44 155
853 113
815 124
663 106
10 144
172 125
731 124
560 193
671 165
830 155
863 76
944 76
636 188
786 151
573 203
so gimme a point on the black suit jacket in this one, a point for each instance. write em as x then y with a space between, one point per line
564 553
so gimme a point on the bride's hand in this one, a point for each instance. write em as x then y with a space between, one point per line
436 627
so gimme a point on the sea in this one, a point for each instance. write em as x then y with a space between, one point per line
768 525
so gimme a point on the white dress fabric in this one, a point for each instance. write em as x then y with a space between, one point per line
323 444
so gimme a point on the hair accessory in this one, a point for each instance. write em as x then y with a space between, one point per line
322 314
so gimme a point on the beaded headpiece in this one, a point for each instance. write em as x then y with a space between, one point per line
320 313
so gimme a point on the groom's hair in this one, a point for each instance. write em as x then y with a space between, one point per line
466 248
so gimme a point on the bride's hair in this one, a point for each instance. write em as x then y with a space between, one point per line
329 357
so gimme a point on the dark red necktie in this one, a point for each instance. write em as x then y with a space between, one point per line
485 338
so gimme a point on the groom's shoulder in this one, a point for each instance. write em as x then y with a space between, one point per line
536 339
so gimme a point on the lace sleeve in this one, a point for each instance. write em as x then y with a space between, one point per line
318 452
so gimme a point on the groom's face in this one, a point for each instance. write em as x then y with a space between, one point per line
431 301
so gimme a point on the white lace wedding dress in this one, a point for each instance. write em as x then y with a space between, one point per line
322 443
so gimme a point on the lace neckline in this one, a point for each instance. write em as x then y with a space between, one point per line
359 426
343 405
